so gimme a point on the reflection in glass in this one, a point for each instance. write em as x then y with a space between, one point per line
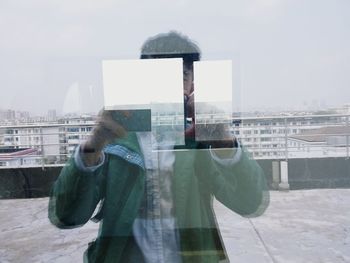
157 205
149 84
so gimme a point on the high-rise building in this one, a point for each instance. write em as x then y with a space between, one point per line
51 115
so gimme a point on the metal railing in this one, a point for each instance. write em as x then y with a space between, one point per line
267 137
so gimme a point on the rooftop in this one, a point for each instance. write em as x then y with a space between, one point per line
10 153
299 226
321 134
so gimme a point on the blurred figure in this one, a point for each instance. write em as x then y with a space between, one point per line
156 206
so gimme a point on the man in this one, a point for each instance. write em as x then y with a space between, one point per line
156 205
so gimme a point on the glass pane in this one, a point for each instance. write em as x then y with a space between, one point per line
184 179
213 99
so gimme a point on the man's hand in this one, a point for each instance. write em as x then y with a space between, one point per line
105 131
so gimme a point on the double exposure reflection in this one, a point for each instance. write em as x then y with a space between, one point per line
154 185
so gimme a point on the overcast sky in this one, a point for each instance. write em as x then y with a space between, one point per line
285 52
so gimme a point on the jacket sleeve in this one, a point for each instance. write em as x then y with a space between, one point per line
75 195
240 186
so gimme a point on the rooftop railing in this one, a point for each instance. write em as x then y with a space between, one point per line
265 137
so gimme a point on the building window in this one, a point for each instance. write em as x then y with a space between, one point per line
72 129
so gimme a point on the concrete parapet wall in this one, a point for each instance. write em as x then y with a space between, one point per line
308 173
319 173
27 182
313 173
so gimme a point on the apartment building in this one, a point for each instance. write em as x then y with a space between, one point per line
331 141
270 136
266 137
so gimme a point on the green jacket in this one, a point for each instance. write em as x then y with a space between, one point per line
120 182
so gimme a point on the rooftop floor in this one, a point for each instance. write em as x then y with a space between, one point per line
299 226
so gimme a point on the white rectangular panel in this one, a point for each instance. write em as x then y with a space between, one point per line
138 83
213 99
155 84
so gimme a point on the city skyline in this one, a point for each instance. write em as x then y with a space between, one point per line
312 106
283 52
